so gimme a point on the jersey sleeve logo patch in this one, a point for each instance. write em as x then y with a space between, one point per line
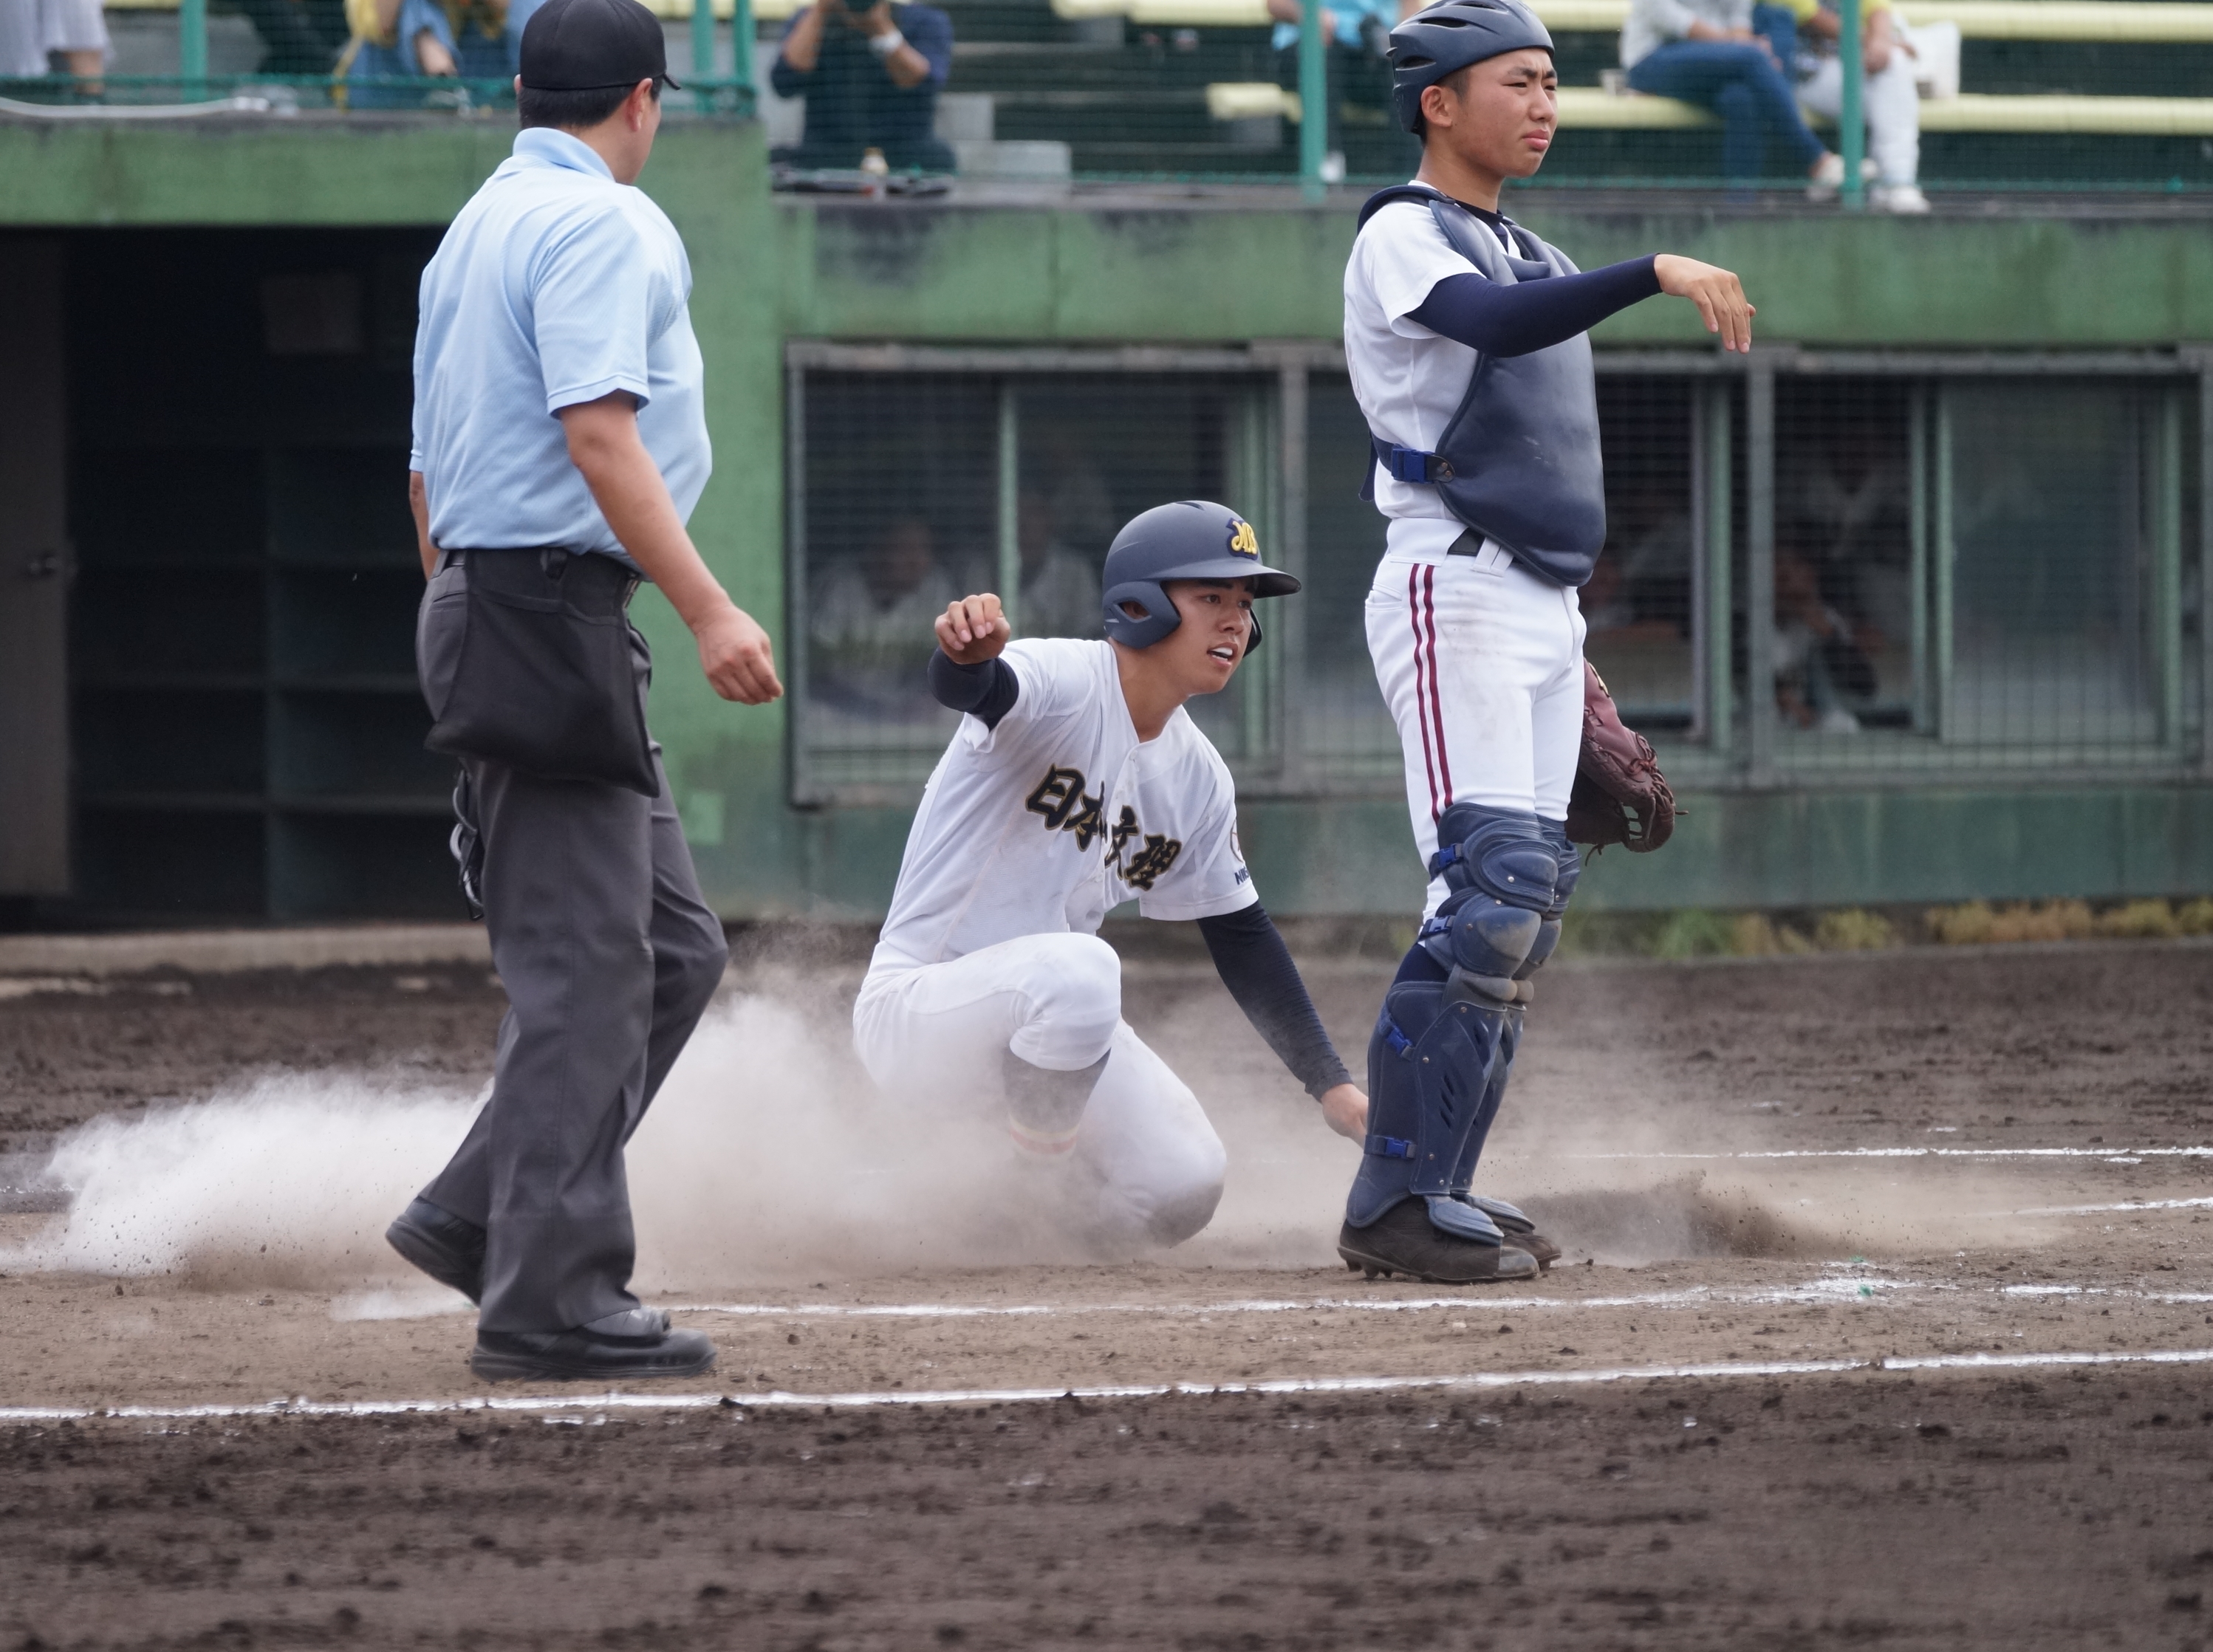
1243 541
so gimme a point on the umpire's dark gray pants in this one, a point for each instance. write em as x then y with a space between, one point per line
609 956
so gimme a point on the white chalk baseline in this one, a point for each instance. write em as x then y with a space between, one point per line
782 1399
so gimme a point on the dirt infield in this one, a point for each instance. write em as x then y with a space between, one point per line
1887 1317
1878 1511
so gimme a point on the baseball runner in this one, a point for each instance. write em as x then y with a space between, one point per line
1465 335
1076 781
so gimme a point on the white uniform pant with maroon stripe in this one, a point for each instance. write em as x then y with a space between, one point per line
1481 663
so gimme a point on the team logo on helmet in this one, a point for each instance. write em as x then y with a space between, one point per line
1243 541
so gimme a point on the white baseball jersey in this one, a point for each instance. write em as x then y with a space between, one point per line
1479 659
1409 380
1043 823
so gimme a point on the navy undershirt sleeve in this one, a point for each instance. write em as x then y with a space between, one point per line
1502 321
985 691
1255 964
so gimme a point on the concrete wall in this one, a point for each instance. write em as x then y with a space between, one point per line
1126 264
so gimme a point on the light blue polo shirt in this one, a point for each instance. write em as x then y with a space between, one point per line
555 285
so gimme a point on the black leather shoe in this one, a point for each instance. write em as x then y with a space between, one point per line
448 1249
1404 1241
621 1347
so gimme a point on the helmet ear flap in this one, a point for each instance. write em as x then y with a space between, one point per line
1160 615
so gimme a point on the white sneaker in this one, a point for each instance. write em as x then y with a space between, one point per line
1826 178
1899 197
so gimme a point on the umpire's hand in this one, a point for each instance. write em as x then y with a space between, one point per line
604 444
973 630
738 657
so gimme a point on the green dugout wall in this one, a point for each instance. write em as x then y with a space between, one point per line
1961 781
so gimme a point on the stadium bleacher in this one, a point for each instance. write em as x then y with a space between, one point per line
2072 93
2088 94
2055 95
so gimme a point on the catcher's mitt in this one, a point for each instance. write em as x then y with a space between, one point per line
1620 797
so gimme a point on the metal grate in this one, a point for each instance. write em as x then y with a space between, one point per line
1826 569
918 486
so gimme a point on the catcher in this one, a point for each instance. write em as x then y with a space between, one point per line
1466 339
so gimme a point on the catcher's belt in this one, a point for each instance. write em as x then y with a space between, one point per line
1619 796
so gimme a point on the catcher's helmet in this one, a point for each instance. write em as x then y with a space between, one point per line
1192 538
1441 40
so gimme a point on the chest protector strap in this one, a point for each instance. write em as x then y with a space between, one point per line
1518 460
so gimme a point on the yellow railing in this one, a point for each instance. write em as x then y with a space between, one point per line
1588 107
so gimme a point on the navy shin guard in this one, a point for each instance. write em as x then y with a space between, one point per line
1494 1092
1428 1077
1567 863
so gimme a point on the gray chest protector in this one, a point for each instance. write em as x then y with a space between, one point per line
1518 460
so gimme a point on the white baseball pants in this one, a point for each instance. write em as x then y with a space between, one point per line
1891 104
936 1032
1481 663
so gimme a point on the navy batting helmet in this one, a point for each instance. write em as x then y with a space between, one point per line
1441 40
1192 538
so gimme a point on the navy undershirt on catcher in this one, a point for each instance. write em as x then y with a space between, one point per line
1532 315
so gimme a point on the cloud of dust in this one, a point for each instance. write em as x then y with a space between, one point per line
289 1180
767 1158
771 1157
1590 1138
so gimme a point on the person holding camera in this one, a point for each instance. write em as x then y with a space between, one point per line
870 75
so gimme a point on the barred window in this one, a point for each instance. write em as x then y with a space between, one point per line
1849 565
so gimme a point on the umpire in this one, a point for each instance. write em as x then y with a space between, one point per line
560 443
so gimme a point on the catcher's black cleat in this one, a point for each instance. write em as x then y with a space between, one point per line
447 1249
1541 1249
623 1347
1521 1232
1403 1240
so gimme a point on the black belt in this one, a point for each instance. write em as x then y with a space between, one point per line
588 582
1469 544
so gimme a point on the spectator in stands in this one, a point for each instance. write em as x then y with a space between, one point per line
299 37
1888 98
1821 659
475 40
1059 591
394 39
1359 35
871 623
33 33
22 52
1705 52
870 77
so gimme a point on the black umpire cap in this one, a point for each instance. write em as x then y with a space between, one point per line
594 45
